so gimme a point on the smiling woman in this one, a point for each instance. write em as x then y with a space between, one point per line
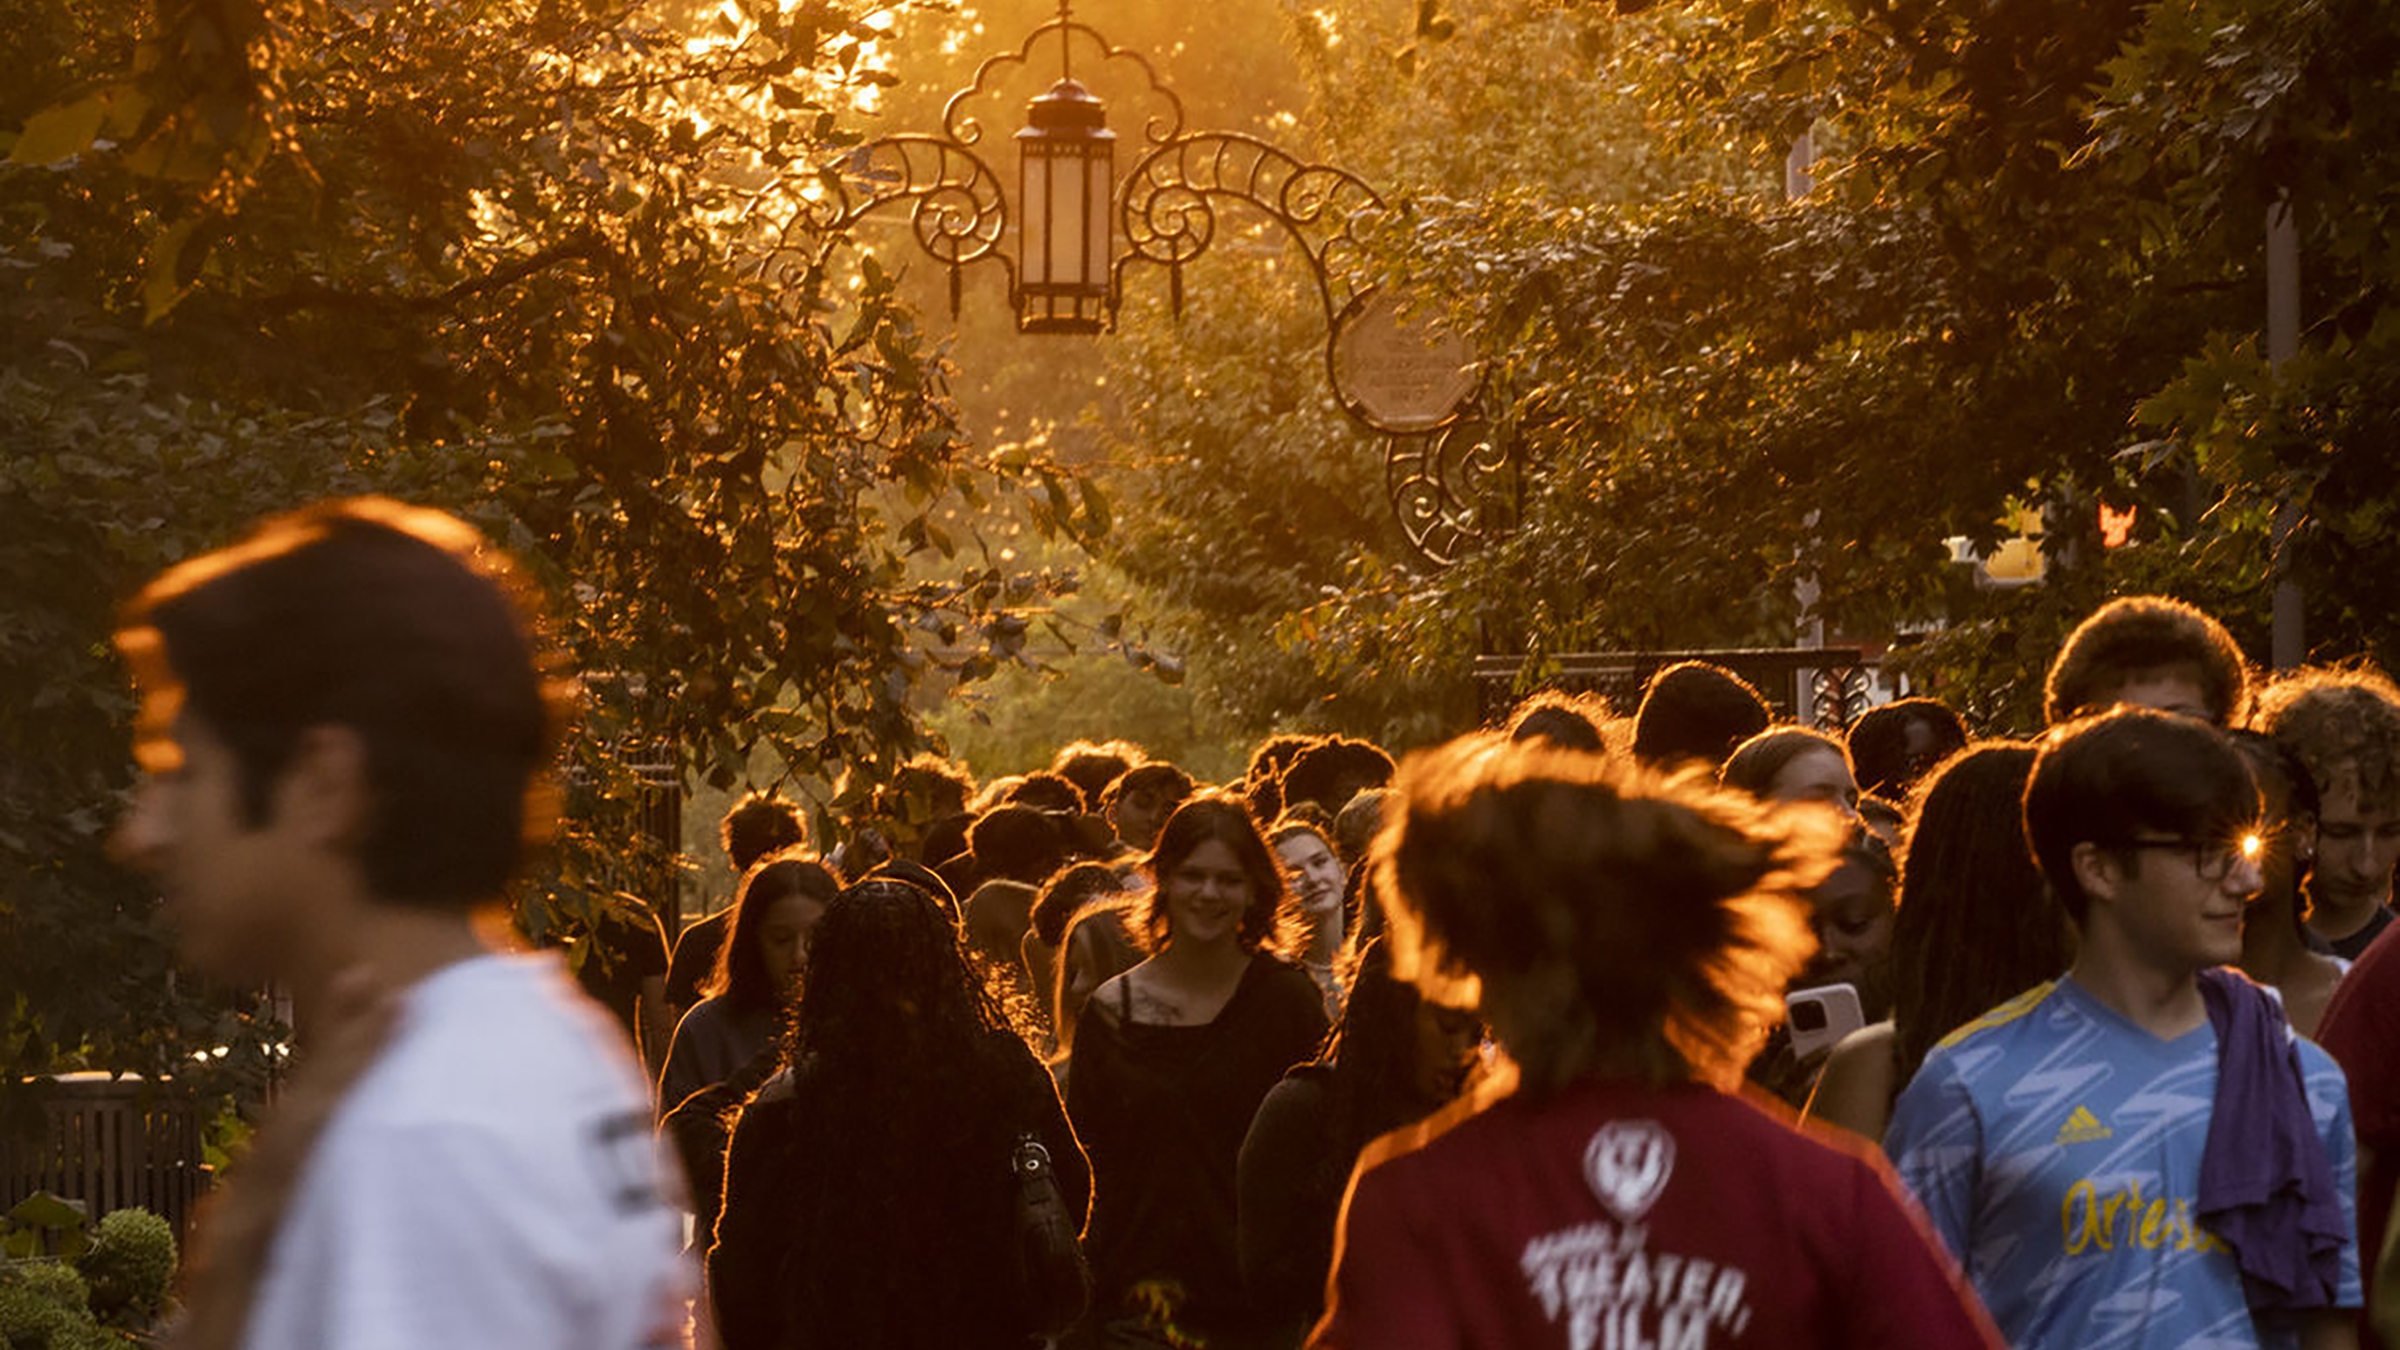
1318 882
1171 1061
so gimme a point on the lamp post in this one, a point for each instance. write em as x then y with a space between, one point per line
1079 226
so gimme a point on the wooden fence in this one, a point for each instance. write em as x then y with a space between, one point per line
111 1143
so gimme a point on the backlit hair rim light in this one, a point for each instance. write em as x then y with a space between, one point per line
1604 917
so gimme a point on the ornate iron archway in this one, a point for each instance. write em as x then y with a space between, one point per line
1450 485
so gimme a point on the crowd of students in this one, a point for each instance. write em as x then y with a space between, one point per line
1496 1046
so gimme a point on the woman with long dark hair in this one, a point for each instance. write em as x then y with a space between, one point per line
1393 1060
1976 925
758 969
1171 1061
725 1046
869 1199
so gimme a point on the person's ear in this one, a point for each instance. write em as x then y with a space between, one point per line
323 793
2099 871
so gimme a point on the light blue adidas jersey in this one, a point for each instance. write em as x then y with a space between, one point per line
2056 1148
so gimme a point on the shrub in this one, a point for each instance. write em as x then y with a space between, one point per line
129 1266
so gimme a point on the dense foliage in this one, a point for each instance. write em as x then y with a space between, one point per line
552 266
551 262
2028 273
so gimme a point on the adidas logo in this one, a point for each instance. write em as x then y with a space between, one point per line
2083 1127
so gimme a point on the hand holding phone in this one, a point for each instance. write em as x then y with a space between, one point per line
1821 1017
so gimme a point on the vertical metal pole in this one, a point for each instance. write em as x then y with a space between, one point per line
1796 184
2289 643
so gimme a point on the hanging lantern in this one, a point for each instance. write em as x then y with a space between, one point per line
1065 187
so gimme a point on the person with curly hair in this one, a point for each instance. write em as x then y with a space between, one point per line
2343 726
1696 711
1331 772
1262 780
2151 652
753 827
1138 802
1568 721
1092 765
1967 884
1893 745
924 792
1171 1061
1627 937
868 1193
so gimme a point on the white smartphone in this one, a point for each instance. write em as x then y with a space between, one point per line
1822 1016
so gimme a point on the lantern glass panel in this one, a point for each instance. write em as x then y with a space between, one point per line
1067 219
1098 197
1033 195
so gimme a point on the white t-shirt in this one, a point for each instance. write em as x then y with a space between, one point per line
491 1181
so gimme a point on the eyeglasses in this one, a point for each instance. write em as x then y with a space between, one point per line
2212 859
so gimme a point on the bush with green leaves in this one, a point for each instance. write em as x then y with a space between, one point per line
129 1265
45 1305
66 1286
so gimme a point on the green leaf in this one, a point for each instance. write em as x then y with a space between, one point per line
1095 506
61 130
163 280
47 1212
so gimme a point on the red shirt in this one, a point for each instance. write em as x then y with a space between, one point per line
1614 1216
2361 1030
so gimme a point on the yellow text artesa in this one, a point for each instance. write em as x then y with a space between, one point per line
2124 1219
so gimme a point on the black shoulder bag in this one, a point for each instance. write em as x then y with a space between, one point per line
1053 1284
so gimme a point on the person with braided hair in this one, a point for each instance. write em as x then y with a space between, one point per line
1968 883
1393 1060
867 1188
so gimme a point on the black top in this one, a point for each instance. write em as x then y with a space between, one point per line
718 1058
1163 1111
626 950
696 958
898 1234
1291 1197
2353 946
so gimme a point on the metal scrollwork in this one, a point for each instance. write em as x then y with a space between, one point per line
1837 693
1454 485
960 125
1453 490
960 214
1168 207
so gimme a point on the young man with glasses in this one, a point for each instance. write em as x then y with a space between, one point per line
2140 1153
